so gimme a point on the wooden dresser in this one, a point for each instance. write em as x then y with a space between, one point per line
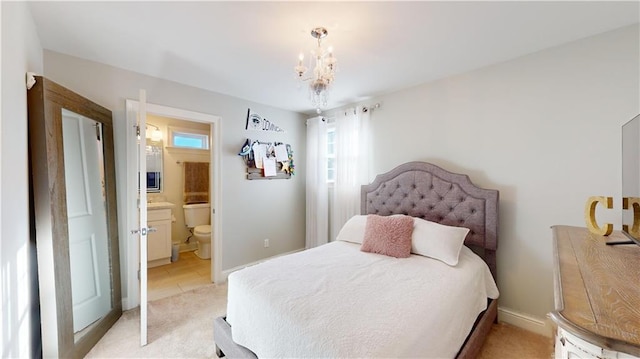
597 295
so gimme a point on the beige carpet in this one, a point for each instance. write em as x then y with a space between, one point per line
182 327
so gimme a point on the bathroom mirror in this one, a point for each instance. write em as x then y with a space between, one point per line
154 166
74 220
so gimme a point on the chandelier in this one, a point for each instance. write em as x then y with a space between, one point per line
323 71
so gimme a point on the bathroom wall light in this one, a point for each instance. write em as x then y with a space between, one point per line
155 135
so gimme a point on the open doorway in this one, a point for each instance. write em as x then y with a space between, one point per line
167 200
179 206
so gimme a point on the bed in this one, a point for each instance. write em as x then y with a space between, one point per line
337 301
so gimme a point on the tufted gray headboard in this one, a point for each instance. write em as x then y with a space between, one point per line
424 190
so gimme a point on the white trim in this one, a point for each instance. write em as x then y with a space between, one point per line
525 321
187 131
131 248
125 303
186 150
226 272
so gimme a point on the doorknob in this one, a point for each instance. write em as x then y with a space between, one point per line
144 231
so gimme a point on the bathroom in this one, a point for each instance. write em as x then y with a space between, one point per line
180 264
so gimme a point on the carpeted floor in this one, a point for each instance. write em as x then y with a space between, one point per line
181 326
508 341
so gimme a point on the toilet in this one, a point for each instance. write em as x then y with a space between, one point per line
196 217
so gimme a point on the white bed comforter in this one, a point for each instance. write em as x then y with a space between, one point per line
336 301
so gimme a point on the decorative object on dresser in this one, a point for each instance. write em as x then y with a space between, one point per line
597 295
590 215
632 203
343 283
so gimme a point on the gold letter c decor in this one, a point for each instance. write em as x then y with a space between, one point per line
590 215
632 203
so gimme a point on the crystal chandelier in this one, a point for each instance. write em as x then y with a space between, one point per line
323 71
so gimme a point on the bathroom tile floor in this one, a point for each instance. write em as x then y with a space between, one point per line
189 272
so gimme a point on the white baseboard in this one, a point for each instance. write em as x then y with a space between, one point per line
188 247
125 303
226 272
525 321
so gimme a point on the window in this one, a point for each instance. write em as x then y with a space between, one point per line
331 154
188 138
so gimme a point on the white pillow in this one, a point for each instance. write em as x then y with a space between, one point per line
353 230
437 241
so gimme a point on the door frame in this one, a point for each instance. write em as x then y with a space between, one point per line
215 186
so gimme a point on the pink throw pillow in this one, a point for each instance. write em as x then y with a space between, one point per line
390 235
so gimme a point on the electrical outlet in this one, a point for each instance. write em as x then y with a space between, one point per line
266 242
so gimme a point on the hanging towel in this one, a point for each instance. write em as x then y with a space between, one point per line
196 182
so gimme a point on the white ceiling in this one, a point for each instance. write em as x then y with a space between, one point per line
249 49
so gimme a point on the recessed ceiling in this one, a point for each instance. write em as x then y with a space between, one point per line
248 49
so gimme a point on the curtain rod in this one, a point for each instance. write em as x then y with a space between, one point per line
371 108
365 109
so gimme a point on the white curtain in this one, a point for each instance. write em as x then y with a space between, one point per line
352 165
317 194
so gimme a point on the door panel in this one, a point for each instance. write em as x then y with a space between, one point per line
87 219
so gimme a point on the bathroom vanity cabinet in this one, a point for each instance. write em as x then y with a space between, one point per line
159 241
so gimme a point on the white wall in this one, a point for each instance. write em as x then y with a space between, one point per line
543 129
252 210
21 52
